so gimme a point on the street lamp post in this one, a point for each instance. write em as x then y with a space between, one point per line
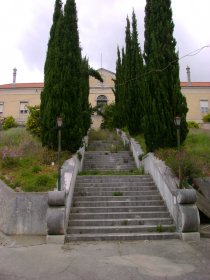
59 124
177 122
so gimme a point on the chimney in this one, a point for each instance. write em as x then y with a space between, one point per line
188 76
14 76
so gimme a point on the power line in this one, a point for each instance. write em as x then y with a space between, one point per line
192 53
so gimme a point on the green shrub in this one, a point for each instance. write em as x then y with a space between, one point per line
9 122
10 162
206 118
42 180
33 121
15 137
36 169
192 124
190 165
108 116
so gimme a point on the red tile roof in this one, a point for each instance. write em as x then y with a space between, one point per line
195 84
22 85
41 85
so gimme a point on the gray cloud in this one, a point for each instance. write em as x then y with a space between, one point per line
102 28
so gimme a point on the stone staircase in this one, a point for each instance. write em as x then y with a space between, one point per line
108 161
117 207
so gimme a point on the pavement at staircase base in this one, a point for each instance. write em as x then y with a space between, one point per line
28 258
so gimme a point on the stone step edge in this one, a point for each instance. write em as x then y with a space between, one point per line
122 236
164 227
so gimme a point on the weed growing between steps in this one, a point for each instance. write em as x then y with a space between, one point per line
159 228
117 193
125 223
110 173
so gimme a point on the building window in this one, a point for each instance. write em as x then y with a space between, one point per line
204 105
23 107
102 100
1 108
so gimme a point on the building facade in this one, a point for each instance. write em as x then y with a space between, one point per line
198 99
16 97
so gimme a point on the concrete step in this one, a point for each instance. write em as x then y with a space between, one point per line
117 209
116 184
97 192
110 169
95 153
117 236
119 215
113 178
119 229
107 167
116 189
116 198
120 222
118 203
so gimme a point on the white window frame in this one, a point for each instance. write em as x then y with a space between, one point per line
1 108
23 108
102 100
204 105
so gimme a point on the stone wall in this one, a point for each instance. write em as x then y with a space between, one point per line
22 213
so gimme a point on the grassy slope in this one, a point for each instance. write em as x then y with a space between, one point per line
195 155
25 164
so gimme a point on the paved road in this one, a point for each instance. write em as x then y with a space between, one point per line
32 259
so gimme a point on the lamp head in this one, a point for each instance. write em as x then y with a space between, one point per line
177 121
59 121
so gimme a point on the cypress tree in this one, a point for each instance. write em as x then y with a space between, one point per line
135 95
164 100
118 92
71 96
66 87
86 109
127 65
48 108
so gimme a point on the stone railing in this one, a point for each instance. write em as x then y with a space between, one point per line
133 146
180 202
59 202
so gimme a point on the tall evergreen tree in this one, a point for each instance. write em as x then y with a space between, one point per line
129 84
86 109
118 113
66 87
164 100
48 108
135 94
71 97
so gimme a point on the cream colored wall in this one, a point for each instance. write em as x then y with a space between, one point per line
107 79
193 96
12 98
97 88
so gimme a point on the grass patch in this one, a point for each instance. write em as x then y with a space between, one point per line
159 228
25 164
194 156
117 193
103 134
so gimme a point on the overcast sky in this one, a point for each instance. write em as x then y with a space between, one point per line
25 26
